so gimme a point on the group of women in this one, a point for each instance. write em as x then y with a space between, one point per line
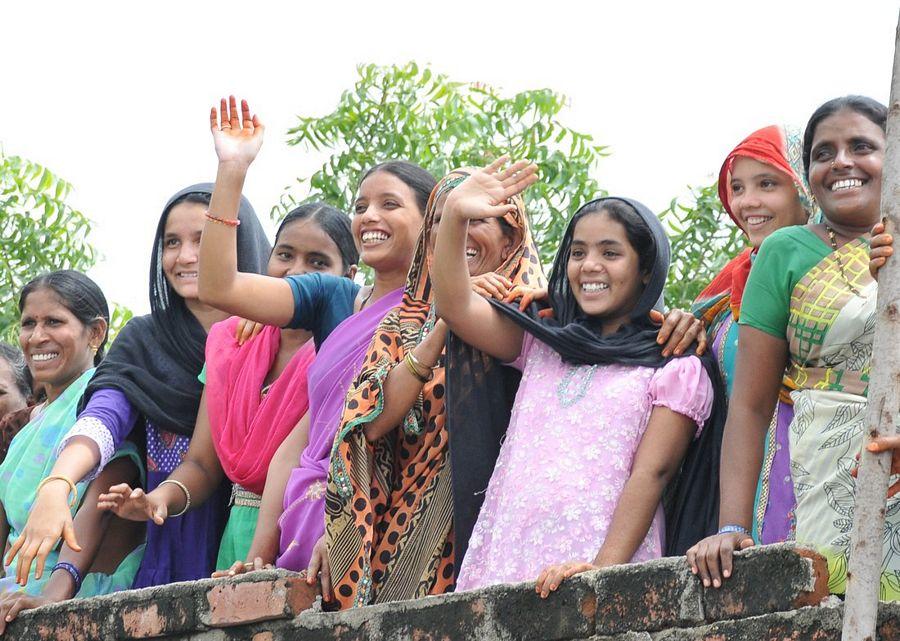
462 420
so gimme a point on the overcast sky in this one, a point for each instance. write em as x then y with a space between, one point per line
116 100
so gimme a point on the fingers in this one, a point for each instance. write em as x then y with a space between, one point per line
223 115
884 443
893 489
315 563
877 229
68 536
233 119
674 330
495 285
159 514
690 335
236 568
23 567
43 552
495 166
657 317
213 120
713 565
246 120
552 580
546 313
325 578
15 549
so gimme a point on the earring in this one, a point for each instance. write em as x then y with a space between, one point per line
94 349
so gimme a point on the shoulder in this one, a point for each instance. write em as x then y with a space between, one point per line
324 283
786 239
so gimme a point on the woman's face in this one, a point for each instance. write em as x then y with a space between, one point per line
487 246
11 398
58 347
763 199
302 247
604 270
386 222
845 165
181 248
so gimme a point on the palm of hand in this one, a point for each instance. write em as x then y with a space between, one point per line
240 145
477 195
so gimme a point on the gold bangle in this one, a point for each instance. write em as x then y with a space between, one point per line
187 495
59 477
409 361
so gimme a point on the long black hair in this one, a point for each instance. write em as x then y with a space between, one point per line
863 105
79 294
333 222
419 180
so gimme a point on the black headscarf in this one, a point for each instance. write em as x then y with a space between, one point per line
691 500
155 359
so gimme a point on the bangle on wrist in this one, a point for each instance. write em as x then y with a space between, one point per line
409 361
187 495
73 490
73 572
223 221
733 529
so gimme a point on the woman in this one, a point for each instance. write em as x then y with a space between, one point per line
390 494
15 395
809 306
149 379
64 325
761 188
606 479
341 315
255 393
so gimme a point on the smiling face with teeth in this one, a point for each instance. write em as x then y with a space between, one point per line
489 241
845 165
763 199
386 223
181 248
604 270
57 346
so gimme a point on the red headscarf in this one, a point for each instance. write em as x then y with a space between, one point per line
778 148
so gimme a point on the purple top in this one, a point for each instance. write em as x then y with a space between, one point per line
338 362
107 420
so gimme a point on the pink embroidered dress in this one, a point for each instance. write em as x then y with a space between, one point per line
568 453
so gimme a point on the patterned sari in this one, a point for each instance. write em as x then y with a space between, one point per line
389 505
829 329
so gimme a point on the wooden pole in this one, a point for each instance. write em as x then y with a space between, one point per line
864 571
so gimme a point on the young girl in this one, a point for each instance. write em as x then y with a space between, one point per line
601 421
255 393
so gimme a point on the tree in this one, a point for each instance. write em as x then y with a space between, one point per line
703 239
409 112
39 232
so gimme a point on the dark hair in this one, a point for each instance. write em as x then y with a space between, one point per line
78 293
21 374
419 180
639 235
333 222
863 105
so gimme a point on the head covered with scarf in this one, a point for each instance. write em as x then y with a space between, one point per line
389 506
691 500
781 149
156 358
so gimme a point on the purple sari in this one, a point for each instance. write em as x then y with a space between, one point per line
337 363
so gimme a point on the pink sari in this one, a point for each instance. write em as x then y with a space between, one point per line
246 427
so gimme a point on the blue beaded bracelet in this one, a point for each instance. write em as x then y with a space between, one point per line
73 571
736 529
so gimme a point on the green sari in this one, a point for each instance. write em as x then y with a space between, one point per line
30 459
823 303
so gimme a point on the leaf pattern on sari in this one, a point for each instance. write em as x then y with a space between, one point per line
843 437
844 416
803 413
843 525
840 498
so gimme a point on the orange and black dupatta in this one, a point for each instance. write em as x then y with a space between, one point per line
389 505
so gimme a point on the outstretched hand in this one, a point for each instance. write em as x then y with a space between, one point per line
486 192
237 135
134 505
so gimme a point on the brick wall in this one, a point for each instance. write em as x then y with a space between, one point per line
776 593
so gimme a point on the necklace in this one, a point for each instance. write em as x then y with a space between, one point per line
366 299
565 396
837 257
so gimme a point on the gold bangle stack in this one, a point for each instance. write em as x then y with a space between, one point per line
415 367
187 495
73 490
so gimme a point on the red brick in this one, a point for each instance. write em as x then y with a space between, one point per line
237 603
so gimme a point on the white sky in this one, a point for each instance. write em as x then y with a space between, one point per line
115 97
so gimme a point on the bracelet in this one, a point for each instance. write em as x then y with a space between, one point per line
733 529
187 495
223 221
59 477
420 366
414 370
73 572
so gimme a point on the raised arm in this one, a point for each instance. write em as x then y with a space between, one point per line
484 194
200 472
260 298
761 362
